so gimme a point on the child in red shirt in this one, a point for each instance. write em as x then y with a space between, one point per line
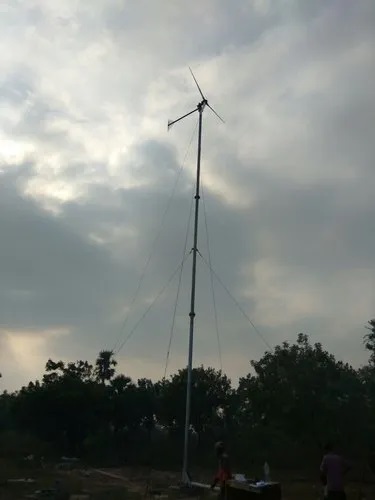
224 471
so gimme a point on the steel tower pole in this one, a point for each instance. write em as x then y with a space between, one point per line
185 476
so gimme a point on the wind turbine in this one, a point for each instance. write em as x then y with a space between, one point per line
200 108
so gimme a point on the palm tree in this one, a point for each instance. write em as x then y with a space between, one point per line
105 366
369 340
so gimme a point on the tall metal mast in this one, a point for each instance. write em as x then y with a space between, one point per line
200 108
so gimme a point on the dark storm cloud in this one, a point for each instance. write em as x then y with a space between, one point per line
51 275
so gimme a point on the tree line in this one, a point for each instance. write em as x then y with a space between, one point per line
295 398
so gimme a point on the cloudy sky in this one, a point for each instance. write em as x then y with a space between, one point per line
87 168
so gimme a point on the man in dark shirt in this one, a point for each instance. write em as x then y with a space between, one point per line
333 470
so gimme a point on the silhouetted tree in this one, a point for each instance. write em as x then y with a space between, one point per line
301 391
105 366
369 340
211 393
293 398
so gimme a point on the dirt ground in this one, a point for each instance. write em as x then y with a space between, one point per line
136 484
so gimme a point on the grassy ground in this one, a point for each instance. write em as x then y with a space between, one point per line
68 483
137 484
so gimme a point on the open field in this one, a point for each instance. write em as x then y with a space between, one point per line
138 483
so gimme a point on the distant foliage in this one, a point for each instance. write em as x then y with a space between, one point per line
370 340
293 399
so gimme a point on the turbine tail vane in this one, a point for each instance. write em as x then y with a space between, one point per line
172 122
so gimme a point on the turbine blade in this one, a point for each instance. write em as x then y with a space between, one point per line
212 109
197 84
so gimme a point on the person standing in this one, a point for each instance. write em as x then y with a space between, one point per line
333 470
224 471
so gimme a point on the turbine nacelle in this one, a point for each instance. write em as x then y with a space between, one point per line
201 105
